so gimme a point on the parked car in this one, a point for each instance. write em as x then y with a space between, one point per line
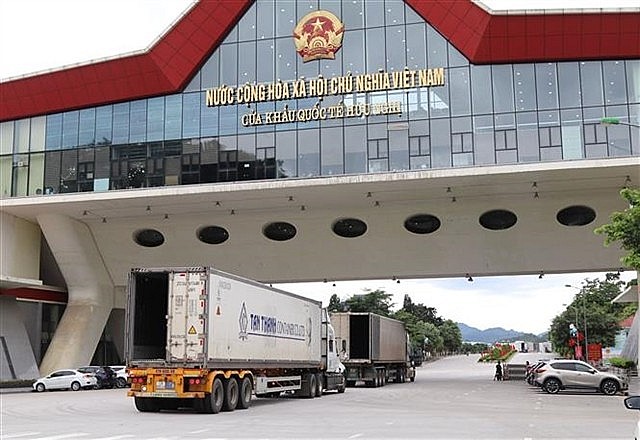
105 375
633 402
122 378
66 380
561 374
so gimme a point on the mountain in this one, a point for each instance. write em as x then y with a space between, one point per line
491 335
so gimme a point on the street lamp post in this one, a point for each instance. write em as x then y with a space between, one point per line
616 121
584 323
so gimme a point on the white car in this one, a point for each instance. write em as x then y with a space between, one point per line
122 378
633 402
65 380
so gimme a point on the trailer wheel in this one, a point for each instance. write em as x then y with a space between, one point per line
246 389
231 394
309 390
319 385
212 404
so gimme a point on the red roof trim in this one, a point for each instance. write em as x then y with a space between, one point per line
36 294
168 66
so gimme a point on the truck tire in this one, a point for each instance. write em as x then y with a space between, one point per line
319 385
212 403
246 390
231 394
343 385
309 386
146 404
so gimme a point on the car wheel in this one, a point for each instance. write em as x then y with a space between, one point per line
40 387
552 386
75 386
609 387
121 382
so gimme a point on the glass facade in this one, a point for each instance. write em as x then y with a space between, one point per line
482 115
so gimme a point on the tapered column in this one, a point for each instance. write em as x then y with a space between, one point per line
90 289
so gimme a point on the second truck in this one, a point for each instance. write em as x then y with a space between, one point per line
198 337
373 348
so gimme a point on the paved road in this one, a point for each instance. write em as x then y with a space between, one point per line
453 398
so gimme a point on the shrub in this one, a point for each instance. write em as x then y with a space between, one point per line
621 362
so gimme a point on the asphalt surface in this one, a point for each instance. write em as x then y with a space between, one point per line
453 398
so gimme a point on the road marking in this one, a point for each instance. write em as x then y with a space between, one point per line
115 437
356 435
61 436
23 434
199 431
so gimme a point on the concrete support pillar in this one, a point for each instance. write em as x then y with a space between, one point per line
90 289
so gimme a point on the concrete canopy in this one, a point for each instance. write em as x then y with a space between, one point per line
536 243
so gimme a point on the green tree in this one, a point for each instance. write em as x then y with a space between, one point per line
335 304
592 305
377 301
422 312
451 336
625 228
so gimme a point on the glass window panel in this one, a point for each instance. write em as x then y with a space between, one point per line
398 150
247 63
155 119
173 117
546 86
285 18
634 118
394 12
6 137
208 120
569 88
505 121
481 93
138 121
54 132
265 26
418 128
420 162
210 71
21 136
121 123
437 46
247 25
416 46
551 154
353 14
418 103
70 129
619 136
502 82
286 154
329 5
593 115
595 150
87 130
104 125
6 172
378 165
591 82
460 91
332 151
374 10
20 175
375 49
455 57
411 16
228 119
37 133
440 143
308 152
483 140
355 157
525 87
527 123
266 61
548 118
439 101
285 61
36 174
330 68
396 59
191 115
353 52
229 64
571 121
506 156
615 86
633 79
195 83
462 159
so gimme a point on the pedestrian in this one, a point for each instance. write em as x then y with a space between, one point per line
498 375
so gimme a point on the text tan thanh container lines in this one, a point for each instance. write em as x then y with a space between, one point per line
373 348
207 339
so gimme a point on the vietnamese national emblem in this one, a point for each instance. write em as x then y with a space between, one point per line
318 35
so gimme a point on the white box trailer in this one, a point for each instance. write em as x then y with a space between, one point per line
373 348
208 339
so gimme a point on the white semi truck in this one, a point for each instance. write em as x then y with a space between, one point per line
373 348
198 337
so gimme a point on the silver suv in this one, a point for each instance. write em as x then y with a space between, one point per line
558 375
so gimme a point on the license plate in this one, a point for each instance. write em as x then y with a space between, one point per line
165 385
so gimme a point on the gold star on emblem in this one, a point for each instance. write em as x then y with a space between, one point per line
317 25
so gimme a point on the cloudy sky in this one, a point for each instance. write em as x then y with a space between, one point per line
37 35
